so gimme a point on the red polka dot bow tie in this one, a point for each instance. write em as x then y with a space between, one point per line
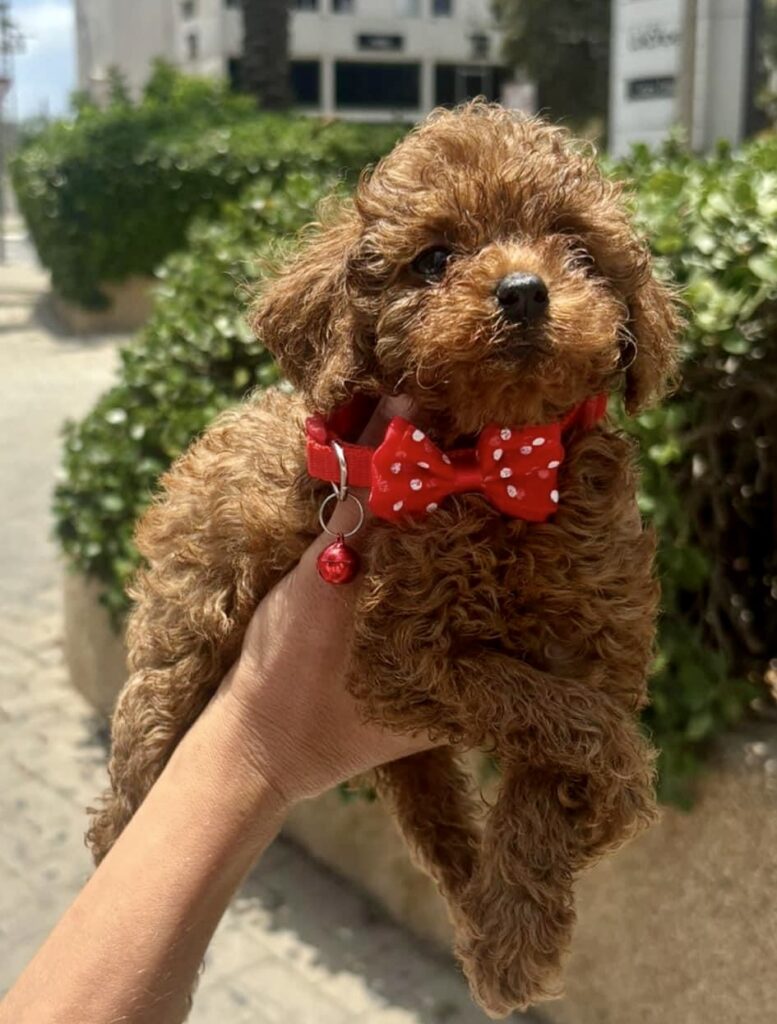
408 475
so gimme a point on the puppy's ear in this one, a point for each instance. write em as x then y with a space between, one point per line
302 314
650 349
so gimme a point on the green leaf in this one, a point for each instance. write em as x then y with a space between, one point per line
735 343
764 267
700 726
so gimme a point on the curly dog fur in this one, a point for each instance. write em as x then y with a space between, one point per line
533 640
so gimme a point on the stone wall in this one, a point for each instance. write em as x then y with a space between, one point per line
94 652
129 308
681 926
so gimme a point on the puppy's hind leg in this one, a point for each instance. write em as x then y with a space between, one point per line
430 794
153 714
160 702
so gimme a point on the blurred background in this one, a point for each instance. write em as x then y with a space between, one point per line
150 152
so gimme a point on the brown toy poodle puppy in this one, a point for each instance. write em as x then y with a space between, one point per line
486 269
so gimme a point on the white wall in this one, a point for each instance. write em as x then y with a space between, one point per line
426 40
124 34
443 38
721 71
208 24
323 32
93 23
130 33
647 49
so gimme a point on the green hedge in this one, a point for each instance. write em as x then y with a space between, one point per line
710 455
194 357
112 192
712 225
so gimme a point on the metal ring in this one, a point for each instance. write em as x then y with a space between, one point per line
333 533
342 490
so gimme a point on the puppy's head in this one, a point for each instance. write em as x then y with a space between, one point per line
487 269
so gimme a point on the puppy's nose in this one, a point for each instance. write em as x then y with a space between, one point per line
523 297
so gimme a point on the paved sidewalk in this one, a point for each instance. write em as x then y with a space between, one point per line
297 945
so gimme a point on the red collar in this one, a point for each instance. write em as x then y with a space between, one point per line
515 468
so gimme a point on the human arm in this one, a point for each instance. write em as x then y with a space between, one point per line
280 728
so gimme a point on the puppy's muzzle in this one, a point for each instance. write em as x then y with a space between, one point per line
522 298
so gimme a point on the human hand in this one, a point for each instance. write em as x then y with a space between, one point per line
304 732
281 727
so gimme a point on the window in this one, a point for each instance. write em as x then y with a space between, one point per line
455 83
481 45
343 6
442 8
235 73
306 82
304 78
386 86
192 46
407 8
305 5
188 9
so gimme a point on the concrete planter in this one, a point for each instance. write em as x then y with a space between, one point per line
680 926
129 308
94 652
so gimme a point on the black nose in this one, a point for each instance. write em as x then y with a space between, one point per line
523 297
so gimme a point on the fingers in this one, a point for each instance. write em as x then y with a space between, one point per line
387 408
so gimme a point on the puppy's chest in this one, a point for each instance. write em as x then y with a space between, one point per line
468 576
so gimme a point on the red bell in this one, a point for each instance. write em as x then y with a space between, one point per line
338 563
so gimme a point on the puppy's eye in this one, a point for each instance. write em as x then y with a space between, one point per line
431 263
580 258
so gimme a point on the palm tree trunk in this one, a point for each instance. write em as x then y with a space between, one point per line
265 71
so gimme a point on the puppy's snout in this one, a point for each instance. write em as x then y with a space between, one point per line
522 297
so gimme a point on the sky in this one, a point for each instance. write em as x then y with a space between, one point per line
45 72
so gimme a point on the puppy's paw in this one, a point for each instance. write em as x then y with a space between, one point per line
504 977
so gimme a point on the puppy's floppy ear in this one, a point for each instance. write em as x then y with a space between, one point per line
302 314
650 349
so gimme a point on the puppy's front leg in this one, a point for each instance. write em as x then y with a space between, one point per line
572 789
430 794
229 524
519 910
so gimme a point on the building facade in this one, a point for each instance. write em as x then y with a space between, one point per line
686 62
364 59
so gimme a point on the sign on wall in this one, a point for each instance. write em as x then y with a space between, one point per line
645 62
371 41
650 61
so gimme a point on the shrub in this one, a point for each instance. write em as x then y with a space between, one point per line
709 464
194 357
112 192
710 454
